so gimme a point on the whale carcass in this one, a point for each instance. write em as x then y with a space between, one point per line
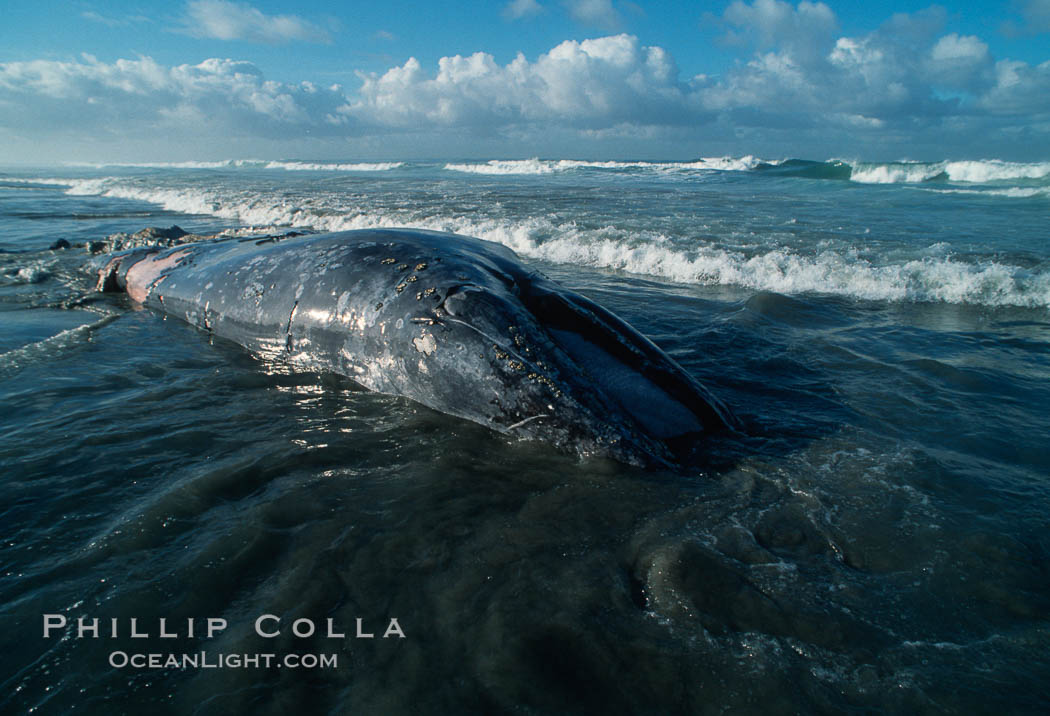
455 323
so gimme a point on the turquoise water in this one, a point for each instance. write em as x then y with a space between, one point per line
874 540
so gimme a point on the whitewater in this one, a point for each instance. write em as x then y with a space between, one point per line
703 238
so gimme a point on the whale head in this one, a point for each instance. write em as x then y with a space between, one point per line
505 346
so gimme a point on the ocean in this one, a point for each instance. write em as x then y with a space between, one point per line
874 539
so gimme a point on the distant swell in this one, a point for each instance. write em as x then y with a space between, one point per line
940 279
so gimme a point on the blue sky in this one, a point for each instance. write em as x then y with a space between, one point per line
212 79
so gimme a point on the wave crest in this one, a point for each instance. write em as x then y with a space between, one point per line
287 165
929 278
970 172
551 166
994 172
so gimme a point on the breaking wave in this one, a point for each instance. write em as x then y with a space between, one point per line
705 262
970 172
258 164
1028 178
551 166
987 171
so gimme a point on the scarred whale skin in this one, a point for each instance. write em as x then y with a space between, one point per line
455 323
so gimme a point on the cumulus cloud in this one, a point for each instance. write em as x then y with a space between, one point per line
960 63
770 23
589 84
902 75
224 20
517 9
905 80
141 96
1019 89
905 77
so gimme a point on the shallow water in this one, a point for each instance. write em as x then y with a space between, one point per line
874 539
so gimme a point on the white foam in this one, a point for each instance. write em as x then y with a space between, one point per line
33 273
782 271
507 166
729 164
896 173
936 277
43 181
321 167
87 187
973 172
257 164
1011 193
981 172
220 164
551 166
543 166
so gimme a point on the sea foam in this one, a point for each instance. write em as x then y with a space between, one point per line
936 277
255 164
973 172
551 166
983 171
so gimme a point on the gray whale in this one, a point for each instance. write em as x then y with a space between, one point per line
455 323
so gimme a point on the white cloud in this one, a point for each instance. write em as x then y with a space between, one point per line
917 27
594 83
903 82
899 74
599 13
140 97
113 21
224 20
1019 89
517 9
805 30
961 63
953 48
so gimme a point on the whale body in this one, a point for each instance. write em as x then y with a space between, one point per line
455 323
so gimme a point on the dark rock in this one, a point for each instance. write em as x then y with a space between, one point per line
155 233
151 236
